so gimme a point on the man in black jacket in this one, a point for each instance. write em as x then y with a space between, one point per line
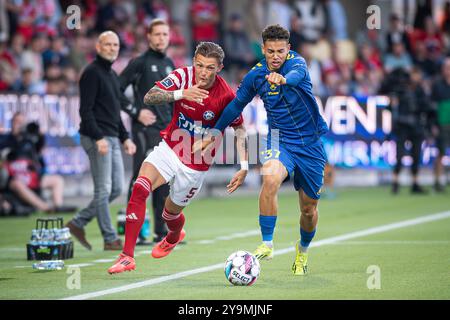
410 111
142 73
101 132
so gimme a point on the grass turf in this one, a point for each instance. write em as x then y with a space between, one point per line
413 260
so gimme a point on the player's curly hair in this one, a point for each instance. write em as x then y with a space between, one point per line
275 32
210 50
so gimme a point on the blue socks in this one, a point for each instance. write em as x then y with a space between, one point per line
305 239
267 224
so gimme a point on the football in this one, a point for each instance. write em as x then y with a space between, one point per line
242 268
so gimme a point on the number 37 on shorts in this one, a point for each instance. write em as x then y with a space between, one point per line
271 154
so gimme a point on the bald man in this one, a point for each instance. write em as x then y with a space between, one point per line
101 134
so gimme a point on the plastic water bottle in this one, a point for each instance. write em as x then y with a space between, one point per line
49 265
145 230
121 221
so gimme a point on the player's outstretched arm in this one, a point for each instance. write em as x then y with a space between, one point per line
242 148
156 95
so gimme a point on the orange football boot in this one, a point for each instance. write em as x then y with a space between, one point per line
123 263
163 248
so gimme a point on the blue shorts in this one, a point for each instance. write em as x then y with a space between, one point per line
304 164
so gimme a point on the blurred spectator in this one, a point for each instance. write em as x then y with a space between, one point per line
126 35
48 13
56 54
296 39
441 98
337 74
27 85
32 57
205 21
368 71
112 13
423 61
433 40
237 47
424 9
56 85
396 34
279 12
71 77
373 37
155 9
4 21
313 16
17 47
255 18
27 14
445 26
314 69
26 167
409 106
177 50
399 58
78 53
8 68
337 20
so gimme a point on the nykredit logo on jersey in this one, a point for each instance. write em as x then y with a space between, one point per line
194 127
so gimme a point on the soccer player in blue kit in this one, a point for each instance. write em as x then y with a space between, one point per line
294 149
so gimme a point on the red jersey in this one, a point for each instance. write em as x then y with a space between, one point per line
192 118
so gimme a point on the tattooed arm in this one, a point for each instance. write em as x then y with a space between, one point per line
157 95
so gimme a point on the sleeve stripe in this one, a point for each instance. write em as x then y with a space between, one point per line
190 76
182 74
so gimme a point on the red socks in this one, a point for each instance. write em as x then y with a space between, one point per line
136 213
175 223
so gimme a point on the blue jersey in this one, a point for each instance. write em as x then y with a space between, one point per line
291 108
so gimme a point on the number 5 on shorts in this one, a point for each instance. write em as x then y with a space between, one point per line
191 193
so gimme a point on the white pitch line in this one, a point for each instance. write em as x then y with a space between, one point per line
103 260
394 242
352 235
80 265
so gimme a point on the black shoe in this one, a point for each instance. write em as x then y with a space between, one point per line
395 188
143 242
65 209
157 239
416 189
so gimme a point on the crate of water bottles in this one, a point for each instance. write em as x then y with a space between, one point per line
50 241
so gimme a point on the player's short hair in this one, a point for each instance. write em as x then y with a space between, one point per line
210 50
275 32
154 23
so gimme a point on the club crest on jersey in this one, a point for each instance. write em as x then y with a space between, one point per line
208 115
193 127
167 83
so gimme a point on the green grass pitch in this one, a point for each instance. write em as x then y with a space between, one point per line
413 260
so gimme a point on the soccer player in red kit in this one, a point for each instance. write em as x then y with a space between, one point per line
199 95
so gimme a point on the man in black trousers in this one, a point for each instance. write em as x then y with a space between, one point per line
101 134
142 73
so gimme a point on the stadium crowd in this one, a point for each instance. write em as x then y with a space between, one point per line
39 54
